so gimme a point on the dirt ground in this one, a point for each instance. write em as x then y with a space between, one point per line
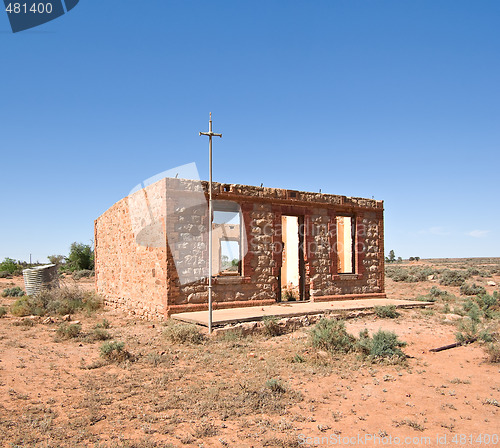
222 393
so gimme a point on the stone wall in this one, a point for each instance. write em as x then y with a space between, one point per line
129 275
152 247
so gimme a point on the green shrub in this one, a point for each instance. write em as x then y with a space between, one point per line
114 352
493 350
56 301
5 274
288 295
383 345
453 278
68 331
28 306
81 256
331 335
83 273
469 327
271 326
425 299
8 265
412 274
70 300
103 324
472 271
275 386
98 334
3 311
16 291
181 333
298 358
472 290
488 303
386 311
437 293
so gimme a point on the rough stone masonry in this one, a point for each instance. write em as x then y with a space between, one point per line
151 248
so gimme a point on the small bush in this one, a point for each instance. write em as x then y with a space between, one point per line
28 306
411 275
104 324
271 326
488 304
56 301
453 278
275 386
3 311
493 351
13 292
114 352
8 265
156 359
82 273
298 358
98 334
288 295
68 331
24 323
472 290
468 328
425 299
437 293
81 257
5 274
383 345
331 335
181 333
386 311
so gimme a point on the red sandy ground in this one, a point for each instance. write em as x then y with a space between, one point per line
47 399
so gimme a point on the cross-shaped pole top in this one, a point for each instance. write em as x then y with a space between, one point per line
210 134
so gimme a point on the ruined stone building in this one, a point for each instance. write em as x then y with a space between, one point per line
269 245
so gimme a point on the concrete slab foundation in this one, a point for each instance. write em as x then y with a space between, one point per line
289 309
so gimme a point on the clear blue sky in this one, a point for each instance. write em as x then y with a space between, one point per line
394 99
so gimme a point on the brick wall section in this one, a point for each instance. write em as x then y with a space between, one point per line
146 281
128 275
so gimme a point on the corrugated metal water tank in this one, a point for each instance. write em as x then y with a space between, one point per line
35 279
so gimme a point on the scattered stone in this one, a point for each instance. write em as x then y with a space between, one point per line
491 283
322 354
48 320
251 355
452 317
247 327
66 318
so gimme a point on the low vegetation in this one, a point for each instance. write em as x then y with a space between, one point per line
68 330
66 300
114 351
472 290
331 335
16 291
182 333
383 345
386 311
411 274
271 326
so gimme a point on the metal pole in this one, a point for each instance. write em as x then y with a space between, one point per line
210 134
210 225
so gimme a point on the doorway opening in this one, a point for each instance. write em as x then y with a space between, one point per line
292 266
